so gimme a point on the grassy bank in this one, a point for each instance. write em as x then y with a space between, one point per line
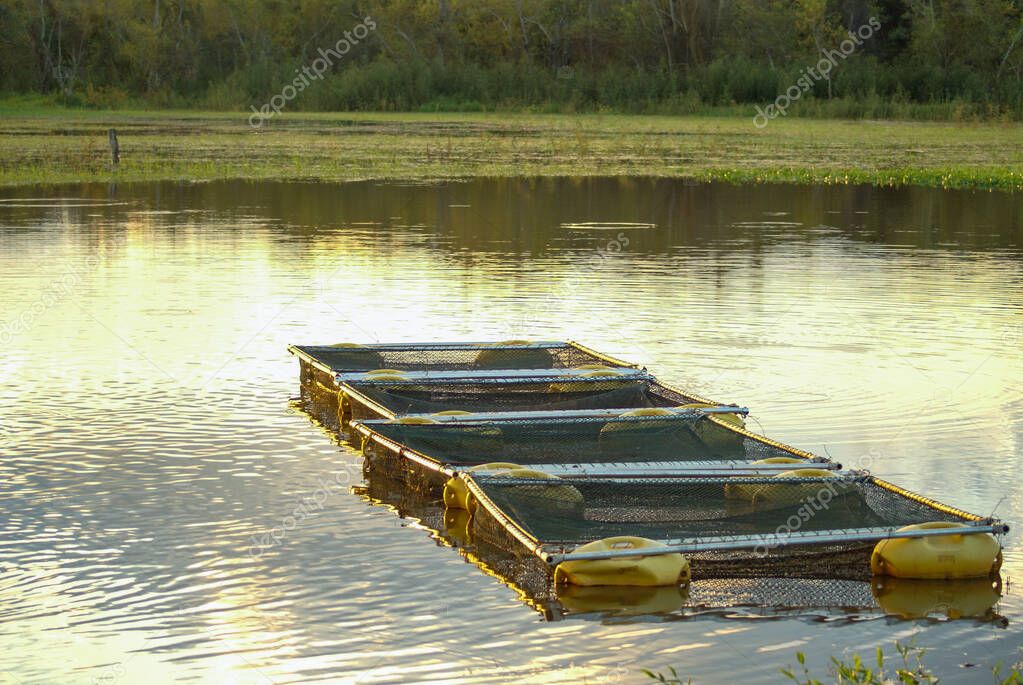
51 145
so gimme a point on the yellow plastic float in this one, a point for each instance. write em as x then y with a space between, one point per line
626 437
781 460
718 439
784 493
416 420
388 375
458 526
646 571
457 496
524 358
950 557
555 499
477 440
623 600
913 598
592 372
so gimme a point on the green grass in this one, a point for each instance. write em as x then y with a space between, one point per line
907 669
43 144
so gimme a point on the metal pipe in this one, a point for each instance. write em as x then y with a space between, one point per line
442 346
743 542
501 376
570 415
667 469
842 478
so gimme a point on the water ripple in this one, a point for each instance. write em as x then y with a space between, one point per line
156 479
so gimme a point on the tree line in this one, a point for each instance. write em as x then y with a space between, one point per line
925 58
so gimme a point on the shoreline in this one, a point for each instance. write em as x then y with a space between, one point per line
50 146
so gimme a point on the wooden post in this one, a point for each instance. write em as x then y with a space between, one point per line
115 150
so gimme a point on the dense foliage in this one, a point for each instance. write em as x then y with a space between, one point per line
927 57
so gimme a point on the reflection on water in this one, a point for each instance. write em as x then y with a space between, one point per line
167 510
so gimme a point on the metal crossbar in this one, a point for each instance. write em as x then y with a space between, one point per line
442 346
500 376
669 469
843 478
753 542
566 416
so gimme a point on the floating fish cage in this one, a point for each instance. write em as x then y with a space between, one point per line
737 598
826 524
586 471
388 381
320 364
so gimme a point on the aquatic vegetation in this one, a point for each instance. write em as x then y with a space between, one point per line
49 145
908 669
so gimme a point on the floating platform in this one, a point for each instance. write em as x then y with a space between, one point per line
392 380
606 476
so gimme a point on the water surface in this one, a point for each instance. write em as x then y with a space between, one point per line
148 432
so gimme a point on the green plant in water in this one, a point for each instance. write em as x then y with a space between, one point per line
856 671
671 678
1015 677
911 671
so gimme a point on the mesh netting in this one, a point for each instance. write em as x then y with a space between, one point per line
491 397
450 358
729 597
316 380
571 512
378 459
321 406
622 440
782 594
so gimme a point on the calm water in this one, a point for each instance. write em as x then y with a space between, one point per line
148 433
